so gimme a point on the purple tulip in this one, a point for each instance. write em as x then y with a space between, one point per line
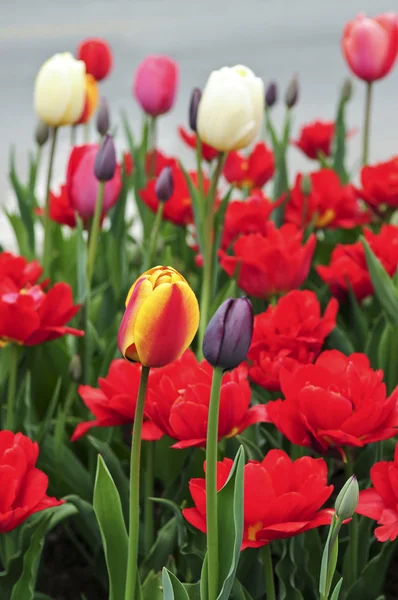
164 186
105 161
193 107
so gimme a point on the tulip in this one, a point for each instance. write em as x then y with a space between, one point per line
42 133
105 160
193 108
292 93
161 318
347 500
60 90
90 99
231 108
271 95
164 187
97 56
155 84
102 122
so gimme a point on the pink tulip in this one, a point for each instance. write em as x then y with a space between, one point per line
155 84
370 45
82 184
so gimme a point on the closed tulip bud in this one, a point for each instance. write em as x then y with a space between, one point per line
292 93
42 132
193 107
347 501
306 184
229 334
105 161
346 90
271 95
60 90
231 109
97 56
164 186
160 320
103 117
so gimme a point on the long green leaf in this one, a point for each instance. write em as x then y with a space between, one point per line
172 587
382 283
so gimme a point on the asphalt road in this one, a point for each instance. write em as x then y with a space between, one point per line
276 38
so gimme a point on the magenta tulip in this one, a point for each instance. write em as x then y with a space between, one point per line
155 84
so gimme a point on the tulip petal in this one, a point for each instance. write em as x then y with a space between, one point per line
142 290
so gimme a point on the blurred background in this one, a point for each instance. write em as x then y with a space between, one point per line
276 38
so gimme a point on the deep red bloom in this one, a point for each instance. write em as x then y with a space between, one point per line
178 209
28 314
380 184
315 138
61 209
178 401
337 402
97 55
82 184
246 216
23 490
208 152
115 401
380 502
287 335
348 263
160 160
155 84
250 171
282 498
270 264
330 204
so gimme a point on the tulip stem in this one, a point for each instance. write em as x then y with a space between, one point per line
269 572
12 387
208 237
211 483
366 128
153 134
155 235
95 228
352 574
132 561
47 250
149 525
200 172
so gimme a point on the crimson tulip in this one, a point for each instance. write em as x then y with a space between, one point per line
97 56
252 171
246 216
316 138
379 184
208 152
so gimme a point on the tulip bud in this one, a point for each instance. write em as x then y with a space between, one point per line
292 93
306 184
347 500
105 161
193 107
164 186
75 368
42 133
229 333
346 90
103 117
271 95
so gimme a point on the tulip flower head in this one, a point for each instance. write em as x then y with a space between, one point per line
155 84
347 500
292 93
42 133
271 95
105 161
102 122
97 56
231 108
164 187
160 320
90 99
60 90
193 108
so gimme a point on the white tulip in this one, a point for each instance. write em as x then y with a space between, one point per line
231 108
60 90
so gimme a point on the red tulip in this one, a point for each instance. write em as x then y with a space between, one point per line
282 498
348 263
97 55
329 204
61 210
114 402
246 216
252 171
271 264
370 45
316 138
24 487
155 84
380 502
337 402
178 401
82 184
208 152
287 335
17 269
380 184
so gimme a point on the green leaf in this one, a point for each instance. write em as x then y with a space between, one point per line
196 200
152 587
285 571
25 210
373 341
165 544
382 283
358 322
336 591
46 423
329 560
81 262
388 355
108 509
172 587
370 582
339 143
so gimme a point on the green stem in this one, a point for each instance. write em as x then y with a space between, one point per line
149 525
152 167
354 532
132 562
366 128
199 158
155 235
12 387
208 237
269 572
95 229
47 250
211 483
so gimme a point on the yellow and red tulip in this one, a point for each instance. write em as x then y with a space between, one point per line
91 99
160 320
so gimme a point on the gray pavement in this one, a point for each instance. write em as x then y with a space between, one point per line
276 38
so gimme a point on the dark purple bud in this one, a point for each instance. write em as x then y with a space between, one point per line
105 161
271 95
42 133
193 107
164 186
103 117
229 334
292 93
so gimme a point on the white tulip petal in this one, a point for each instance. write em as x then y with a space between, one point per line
52 91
